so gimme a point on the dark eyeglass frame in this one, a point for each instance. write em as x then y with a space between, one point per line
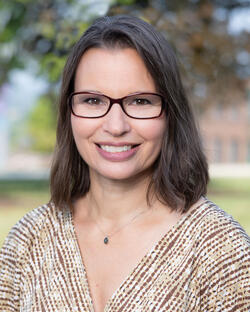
117 101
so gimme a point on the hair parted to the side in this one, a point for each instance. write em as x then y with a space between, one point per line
180 173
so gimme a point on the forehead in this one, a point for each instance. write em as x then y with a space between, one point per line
117 70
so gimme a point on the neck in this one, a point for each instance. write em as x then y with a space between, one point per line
115 201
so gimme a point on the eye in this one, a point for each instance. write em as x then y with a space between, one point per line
141 101
92 101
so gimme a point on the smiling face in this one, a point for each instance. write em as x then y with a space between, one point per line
116 146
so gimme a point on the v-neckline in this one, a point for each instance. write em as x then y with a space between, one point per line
157 246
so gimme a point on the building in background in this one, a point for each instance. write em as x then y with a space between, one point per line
226 131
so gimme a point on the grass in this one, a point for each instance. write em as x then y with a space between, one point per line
19 197
233 196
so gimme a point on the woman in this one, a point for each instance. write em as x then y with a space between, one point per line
128 227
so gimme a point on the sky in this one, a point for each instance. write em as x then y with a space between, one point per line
239 21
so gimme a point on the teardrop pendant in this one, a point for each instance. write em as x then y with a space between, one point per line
106 240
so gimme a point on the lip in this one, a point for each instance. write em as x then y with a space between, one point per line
117 156
117 143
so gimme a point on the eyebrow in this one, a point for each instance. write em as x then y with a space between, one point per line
89 90
99 92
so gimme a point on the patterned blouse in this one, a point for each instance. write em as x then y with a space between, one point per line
201 264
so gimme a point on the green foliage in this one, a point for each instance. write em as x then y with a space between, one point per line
125 2
52 66
42 125
40 30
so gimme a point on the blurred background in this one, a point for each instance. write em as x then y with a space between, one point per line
212 42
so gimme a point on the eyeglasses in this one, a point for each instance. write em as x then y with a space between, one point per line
138 105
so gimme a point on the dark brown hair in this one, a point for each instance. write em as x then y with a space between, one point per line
180 173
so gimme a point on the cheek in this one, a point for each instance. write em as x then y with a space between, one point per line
153 130
82 128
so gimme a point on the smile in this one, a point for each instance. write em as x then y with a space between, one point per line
116 149
121 152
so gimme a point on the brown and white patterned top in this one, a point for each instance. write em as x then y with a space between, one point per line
201 264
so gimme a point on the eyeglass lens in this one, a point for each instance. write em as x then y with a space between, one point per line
96 105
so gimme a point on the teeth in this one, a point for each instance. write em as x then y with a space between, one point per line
116 149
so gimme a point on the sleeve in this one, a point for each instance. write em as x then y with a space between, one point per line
17 249
225 285
10 272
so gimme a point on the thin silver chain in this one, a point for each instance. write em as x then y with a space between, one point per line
120 228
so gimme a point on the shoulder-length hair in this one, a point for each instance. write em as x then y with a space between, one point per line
180 173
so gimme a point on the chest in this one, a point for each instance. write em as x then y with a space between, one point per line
138 256
101 284
108 266
136 272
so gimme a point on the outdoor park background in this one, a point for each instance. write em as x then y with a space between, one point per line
211 39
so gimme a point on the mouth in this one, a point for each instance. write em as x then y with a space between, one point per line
116 149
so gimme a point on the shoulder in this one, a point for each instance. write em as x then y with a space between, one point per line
215 236
28 229
222 259
219 228
222 245
18 247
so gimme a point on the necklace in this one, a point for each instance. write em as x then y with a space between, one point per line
108 236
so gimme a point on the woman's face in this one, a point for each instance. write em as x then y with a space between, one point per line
116 146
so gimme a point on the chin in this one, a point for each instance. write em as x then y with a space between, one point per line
118 175
123 174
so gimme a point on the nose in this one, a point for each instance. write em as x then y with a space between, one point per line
116 121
